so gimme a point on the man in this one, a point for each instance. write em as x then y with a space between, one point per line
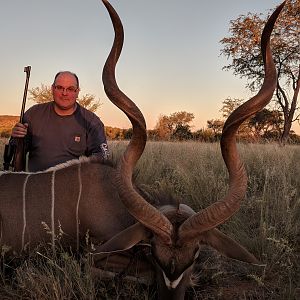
61 130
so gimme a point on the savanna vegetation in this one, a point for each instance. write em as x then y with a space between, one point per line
242 46
6 124
268 224
265 126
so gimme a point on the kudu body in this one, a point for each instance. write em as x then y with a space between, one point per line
88 195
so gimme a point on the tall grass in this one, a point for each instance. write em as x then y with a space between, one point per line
268 223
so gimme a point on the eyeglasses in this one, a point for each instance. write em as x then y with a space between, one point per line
70 89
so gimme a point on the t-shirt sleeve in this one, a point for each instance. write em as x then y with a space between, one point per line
96 139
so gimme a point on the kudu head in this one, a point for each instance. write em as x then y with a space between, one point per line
176 233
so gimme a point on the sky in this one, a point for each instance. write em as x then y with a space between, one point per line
170 61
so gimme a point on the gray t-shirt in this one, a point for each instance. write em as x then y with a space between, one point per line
54 139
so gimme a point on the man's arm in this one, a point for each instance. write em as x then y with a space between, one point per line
96 139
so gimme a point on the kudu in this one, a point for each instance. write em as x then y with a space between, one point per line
177 233
89 195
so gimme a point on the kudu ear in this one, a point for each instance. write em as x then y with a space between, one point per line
124 240
226 245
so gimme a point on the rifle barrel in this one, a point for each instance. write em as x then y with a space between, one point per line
27 70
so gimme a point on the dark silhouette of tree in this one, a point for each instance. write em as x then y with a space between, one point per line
205 135
243 47
152 134
216 126
128 133
182 132
267 123
167 125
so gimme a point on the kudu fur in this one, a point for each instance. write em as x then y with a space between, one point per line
89 195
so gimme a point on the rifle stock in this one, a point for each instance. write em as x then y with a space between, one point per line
9 151
19 161
17 150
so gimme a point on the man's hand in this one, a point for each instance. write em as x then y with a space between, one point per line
19 130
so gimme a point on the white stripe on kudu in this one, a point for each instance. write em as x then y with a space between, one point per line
24 210
52 208
77 206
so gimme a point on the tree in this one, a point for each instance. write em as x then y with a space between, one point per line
167 125
216 126
229 105
40 94
263 124
114 133
88 101
182 132
267 123
243 46
43 94
128 133
152 134
163 127
204 135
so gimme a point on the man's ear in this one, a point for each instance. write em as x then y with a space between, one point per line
124 240
229 247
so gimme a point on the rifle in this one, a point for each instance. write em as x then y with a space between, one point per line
17 150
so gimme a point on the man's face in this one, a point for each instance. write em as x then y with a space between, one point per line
65 91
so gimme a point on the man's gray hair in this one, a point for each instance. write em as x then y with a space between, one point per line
61 72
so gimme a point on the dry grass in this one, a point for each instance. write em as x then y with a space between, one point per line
6 124
268 224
